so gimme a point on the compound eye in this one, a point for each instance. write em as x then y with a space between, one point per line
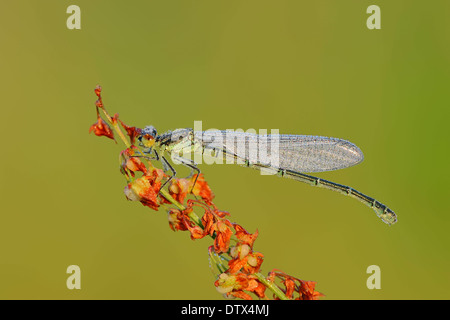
149 137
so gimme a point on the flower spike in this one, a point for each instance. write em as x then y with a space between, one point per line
238 265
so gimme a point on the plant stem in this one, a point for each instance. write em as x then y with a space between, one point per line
116 127
271 286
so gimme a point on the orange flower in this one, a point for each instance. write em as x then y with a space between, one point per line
289 283
101 128
175 218
243 236
235 285
214 224
146 189
134 164
235 265
130 163
180 188
196 231
244 259
223 236
305 289
259 290
179 220
142 190
201 188
132 132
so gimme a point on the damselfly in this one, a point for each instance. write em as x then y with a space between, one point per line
294 155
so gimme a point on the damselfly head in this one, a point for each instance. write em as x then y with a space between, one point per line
147 137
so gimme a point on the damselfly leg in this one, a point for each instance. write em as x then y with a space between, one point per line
190 164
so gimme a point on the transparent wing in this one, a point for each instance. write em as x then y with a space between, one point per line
300 153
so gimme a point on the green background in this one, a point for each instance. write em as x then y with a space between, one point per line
303 67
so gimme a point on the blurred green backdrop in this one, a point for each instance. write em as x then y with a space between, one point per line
301 67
